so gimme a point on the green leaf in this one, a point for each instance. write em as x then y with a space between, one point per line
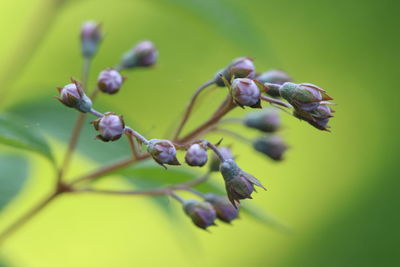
18 133
14 173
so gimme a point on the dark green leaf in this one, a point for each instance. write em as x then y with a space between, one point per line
18 133
13 174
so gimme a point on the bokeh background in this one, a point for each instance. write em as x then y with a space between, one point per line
338 192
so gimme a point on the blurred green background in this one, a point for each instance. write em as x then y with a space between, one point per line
338 192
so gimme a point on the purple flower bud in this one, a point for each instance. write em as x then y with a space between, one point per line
163 152
144 54
266 120
271 145
241 67
275 77
239 184
202 214
109 81
73 96
225 210
318 117
110 127
90 37
196 155
215 161
245 92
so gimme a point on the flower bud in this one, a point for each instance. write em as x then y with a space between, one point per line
303 96
266 120
245 92
110 127
202 214
144 54
239 184
271 145
275 77
196 155
90 37
163 152
215 161
225 210
318 117
109 81
241 67
73 96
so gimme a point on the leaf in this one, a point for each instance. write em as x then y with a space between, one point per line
18 133
14 173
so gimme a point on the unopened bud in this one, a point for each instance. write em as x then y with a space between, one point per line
202 214
318 117
196 155
304 96
215 160
109 81
241 67
245 92
144 54
110 126
266 120
278 77
271 145
90 37
73 96
225 210
239 184
163 152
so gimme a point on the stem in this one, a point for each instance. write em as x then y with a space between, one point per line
110 168
225 107
133 144
190 106
178 198
275 101
27 216
140 137
87 61
216 151
96 113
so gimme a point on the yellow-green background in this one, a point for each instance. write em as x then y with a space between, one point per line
339 191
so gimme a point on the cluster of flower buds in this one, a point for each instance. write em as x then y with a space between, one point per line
239 184
241 67
306 99
163 152
110 81
144 54
274 77
73 96
91 36
196 155
271 146
110 126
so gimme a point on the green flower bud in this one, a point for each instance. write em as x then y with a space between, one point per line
90 38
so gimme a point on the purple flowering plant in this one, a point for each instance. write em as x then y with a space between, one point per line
245 88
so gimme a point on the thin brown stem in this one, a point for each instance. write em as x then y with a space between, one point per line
109 168
275 101
225 107
133 145
190 107
232 134
27 217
